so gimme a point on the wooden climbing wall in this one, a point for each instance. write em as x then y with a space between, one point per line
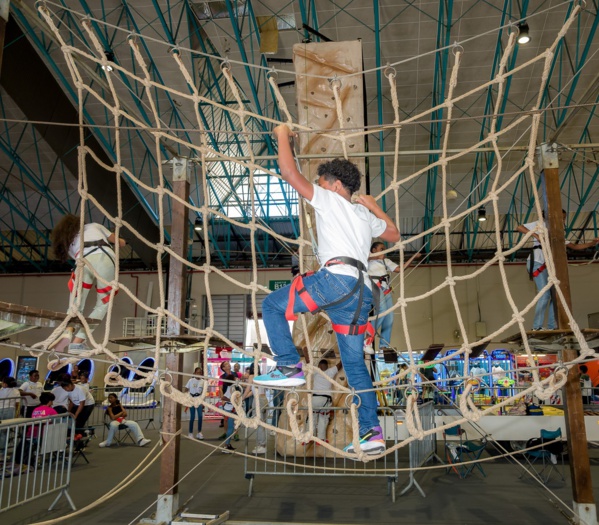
317 109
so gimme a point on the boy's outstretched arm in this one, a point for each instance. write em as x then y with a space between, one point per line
391 233
289 171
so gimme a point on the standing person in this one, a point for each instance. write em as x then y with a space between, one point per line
195 387
586 385
82 403
61 396
9 396
538 273
321 397
237 370
379 269
98 253
118 417
231 385
226 379
345 230
31 391
253 392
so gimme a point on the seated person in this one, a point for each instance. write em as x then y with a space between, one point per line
118 415
25 458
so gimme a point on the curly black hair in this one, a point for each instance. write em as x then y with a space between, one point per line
343 170
375 244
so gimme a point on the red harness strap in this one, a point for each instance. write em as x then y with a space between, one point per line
297 285
539 270
380 285
72 283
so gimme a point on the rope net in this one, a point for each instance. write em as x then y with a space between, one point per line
312 330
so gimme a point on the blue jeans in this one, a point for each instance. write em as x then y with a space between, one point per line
545 300
230 429
325 287
384 325
192 417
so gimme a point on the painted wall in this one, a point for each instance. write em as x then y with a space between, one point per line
431 320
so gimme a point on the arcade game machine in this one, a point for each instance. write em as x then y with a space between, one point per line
7 367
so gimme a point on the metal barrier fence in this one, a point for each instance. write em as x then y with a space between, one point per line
36 459
10 407
142 405
421 450
286 456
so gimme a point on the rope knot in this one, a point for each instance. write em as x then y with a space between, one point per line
450 281
518 318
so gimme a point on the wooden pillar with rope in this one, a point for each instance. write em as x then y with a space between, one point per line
580 470
168 503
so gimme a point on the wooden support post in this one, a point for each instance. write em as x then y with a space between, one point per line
580 471
171 411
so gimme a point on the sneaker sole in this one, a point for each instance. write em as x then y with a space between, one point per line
282 382
371 449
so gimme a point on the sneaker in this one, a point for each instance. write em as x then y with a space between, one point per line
228 450
190 435
78 348
282 376
143 442
259 449
199 435
104 444
372 442
553 459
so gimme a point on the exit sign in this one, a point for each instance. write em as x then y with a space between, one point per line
275 285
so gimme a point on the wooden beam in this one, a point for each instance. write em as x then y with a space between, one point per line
580 470
177 279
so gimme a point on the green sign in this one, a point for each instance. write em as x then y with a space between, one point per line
275 285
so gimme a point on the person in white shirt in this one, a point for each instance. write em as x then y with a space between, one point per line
345 226
538 273
97 251
379 270
195 387
82 403
322 398
9 396
31 391
61 396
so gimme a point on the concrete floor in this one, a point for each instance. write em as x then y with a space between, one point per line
218 484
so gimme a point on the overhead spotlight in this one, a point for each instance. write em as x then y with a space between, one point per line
482 214
110 57
523 36
199 224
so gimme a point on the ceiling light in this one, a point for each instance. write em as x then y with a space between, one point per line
523 36
110 57
199 224
482 214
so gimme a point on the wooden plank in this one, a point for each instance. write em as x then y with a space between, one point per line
29 315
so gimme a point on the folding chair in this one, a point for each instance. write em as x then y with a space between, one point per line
547 455
122 435
462 450
79 448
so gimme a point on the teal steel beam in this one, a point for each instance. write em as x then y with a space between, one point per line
438 96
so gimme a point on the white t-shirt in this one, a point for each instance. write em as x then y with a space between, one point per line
195 386
91 232
381 268
6 393
61 397
33 388
344 230
78 394
321 384
536 252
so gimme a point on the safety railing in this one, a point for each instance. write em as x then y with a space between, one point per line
10 407
287 457
421 450
36 459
